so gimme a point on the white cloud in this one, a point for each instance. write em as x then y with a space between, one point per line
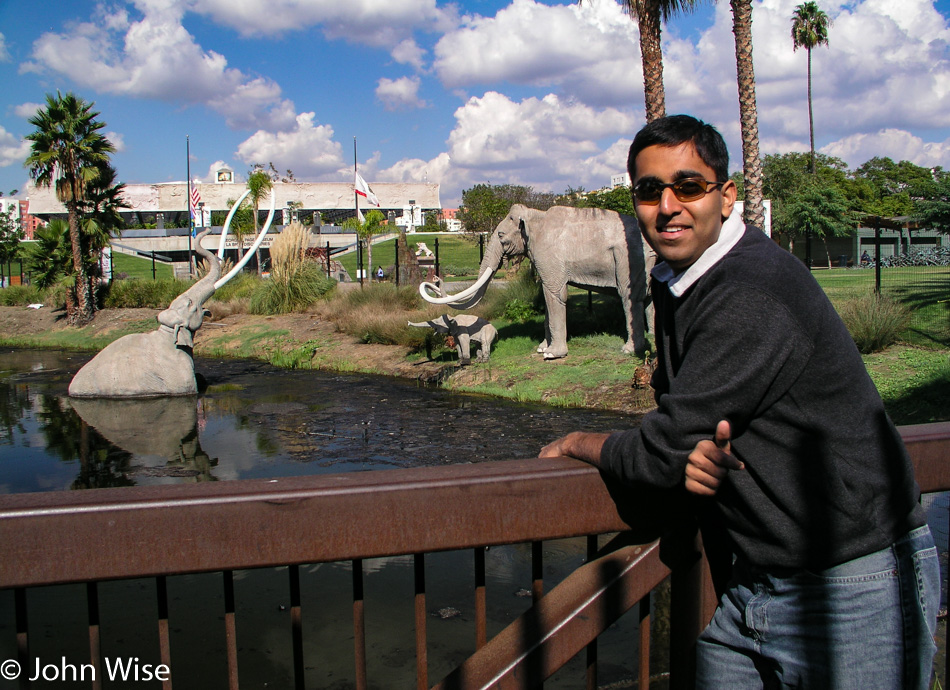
13 150
893 143
155 57
4 53
371 22
399 94
117 140
531 43
27 110
308 149
408 52
548 143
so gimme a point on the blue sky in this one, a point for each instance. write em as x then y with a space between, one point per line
532 92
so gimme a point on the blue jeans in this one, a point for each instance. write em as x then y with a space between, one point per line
867 623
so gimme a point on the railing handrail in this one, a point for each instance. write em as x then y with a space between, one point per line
102 534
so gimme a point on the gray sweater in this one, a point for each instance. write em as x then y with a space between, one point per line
756 341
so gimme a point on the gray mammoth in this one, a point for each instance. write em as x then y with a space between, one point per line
155 363
589 248
143 365
465 328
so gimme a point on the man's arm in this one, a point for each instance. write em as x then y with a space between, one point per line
581 445
711 461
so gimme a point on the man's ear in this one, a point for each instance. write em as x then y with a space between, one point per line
729 194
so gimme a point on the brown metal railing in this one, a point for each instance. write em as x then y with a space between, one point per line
157 531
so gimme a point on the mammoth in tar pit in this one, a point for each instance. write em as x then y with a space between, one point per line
589 248
158 363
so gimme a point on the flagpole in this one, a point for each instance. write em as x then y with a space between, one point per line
188 198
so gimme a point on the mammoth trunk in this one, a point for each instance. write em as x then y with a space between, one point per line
471 295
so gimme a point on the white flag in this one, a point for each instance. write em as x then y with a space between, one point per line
363 189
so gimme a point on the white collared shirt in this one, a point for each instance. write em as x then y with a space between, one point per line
730 233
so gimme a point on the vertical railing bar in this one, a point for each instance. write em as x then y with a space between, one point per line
359 628
537 572
422 659
95 648
592 647
22 637
481 609
164 643
643 625
230 629
946 643
537 577
296 630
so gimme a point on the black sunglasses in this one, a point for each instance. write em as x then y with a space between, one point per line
648 192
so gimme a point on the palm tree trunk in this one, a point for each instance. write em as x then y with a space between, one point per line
811 120
84 307
754 211
651 58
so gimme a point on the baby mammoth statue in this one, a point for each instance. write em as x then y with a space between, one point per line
464 328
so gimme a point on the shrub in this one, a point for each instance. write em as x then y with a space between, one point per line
519 311
293 293
240 287
378 313
21 295
524 292
154 294
874 322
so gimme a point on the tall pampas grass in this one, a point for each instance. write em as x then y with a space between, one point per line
295 281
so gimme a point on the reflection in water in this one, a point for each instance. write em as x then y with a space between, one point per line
166 428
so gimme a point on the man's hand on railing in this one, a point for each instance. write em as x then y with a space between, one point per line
581 445
711 461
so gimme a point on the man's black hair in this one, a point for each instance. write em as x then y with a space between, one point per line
674 130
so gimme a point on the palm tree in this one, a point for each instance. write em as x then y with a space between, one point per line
649 14
810 29
259 182
67 151
101 216
754 209
365 229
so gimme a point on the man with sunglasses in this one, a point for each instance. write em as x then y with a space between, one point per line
768 421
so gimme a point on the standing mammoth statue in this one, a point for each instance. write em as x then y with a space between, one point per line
588 248
466 329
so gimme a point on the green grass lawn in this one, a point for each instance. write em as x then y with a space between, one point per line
925 290
139 267
458 254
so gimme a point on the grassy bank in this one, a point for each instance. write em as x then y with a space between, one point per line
364 330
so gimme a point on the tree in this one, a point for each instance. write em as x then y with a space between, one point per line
934 210
11 234
67 151
617 199
365 229
820 211
50 256
809 29
784 178
101 217
260 183
649 14
754 210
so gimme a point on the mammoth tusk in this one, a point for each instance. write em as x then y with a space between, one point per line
254 247
227 223
465 294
